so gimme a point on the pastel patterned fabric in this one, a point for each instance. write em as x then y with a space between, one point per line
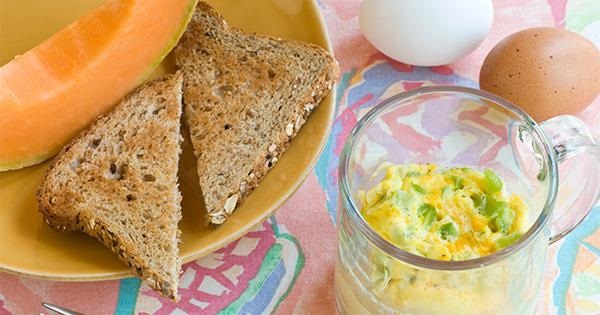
285 265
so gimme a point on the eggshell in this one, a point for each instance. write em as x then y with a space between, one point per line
426 32
546 71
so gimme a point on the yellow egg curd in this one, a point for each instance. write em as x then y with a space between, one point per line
445 214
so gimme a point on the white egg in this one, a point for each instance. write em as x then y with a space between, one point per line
426 32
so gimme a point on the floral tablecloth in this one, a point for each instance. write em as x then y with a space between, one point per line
286 264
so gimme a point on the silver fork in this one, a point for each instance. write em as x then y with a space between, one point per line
60 310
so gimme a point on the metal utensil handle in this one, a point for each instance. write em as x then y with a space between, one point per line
60 310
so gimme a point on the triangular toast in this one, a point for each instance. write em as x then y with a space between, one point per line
245 97
117 181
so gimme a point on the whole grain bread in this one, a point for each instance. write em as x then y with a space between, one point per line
117 181
245 97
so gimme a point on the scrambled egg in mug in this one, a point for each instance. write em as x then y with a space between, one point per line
445 214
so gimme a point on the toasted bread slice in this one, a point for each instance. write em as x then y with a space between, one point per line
117 181
245 97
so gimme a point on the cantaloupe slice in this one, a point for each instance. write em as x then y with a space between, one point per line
51 92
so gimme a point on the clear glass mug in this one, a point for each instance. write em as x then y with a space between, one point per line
451 126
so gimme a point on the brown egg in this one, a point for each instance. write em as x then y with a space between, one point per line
545 71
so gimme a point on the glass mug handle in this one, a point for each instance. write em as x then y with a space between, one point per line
570 137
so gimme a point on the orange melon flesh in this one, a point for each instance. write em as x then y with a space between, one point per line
53 91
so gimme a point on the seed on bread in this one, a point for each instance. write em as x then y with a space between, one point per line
299 123
289 129
230 204
217 217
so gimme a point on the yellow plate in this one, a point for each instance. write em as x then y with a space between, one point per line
29 247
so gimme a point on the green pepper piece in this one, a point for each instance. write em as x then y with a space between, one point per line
448 231
503 220
479 201
427 213
492 183
460 183
453 178
391 197
447 191
507 240
419 189
492 206
412 173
